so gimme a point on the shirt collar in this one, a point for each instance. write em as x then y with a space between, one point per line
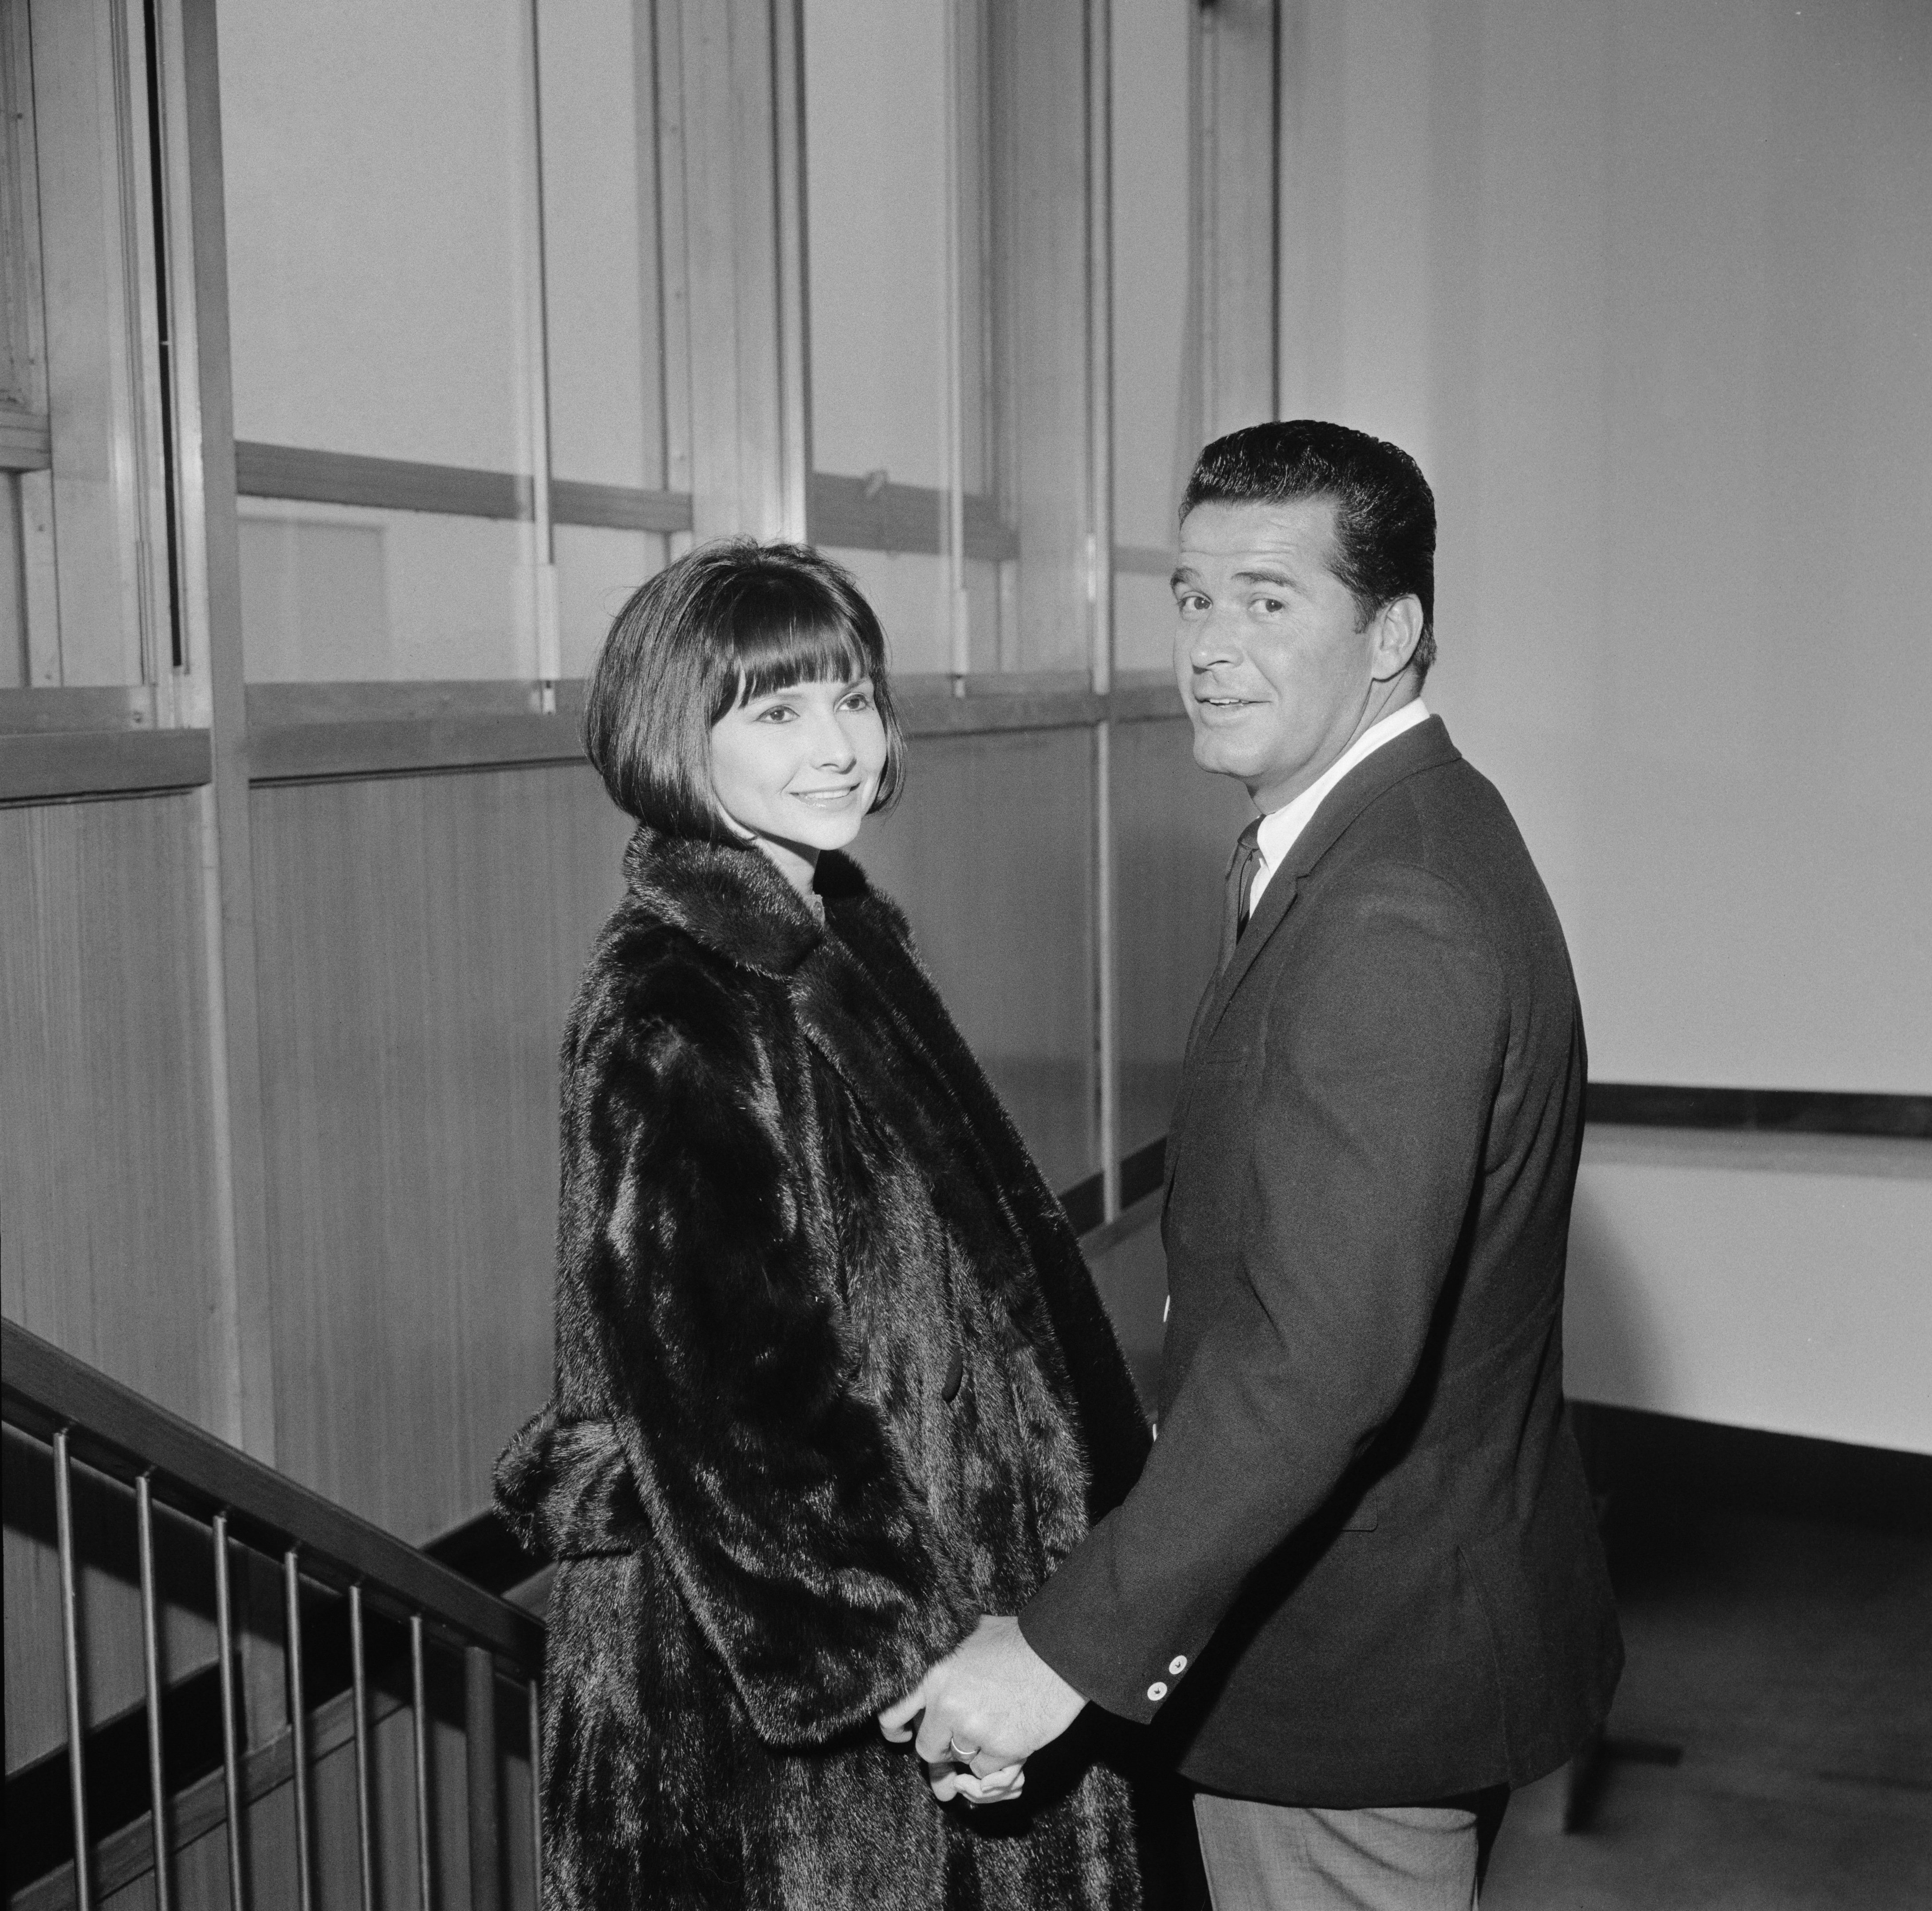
1280 827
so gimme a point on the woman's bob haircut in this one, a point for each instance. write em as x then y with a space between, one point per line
731 621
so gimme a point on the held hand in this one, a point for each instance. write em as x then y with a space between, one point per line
950 1780
990 1705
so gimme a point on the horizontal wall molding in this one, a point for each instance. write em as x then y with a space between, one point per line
1652 1465
310 732
296 473
925 711
1144 560
874 514
314 752
59 706
56 765
618 507
1145 697
1759 1111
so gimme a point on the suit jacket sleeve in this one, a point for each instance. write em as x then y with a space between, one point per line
1377 1078
771 1487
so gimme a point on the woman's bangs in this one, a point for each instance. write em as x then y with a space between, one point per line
776 656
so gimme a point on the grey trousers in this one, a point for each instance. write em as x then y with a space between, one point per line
1308 1857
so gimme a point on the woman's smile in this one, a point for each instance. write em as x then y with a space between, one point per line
796 768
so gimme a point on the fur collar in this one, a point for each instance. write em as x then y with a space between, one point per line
732 898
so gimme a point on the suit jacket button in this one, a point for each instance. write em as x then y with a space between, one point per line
1157 1691
1177 1664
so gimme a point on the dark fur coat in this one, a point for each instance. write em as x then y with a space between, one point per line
832 1381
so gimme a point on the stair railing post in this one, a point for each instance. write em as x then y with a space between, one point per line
70 1588
358 1689
298 1733
151 1660
419 1694
231 1751
479 1733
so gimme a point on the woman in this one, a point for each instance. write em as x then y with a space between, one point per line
832 1379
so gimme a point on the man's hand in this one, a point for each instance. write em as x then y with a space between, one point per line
989 1707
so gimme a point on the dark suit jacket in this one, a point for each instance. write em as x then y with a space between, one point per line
1360 1567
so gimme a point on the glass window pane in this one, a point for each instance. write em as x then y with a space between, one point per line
597 569
601 289
380 181
1156 409
947 322
84 567
876 168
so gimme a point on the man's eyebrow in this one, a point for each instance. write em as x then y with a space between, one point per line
1183 573
1266 576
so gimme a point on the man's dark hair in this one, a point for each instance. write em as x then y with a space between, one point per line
730 621
1384 510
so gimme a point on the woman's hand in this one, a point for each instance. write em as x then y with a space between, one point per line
954 1778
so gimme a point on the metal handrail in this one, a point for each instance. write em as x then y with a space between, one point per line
83 1416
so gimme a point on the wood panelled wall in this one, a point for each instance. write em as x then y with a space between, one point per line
107 1242
418 939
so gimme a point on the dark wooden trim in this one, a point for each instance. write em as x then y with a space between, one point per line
302 733
314 752
51 708
276 706
388 483
120 1433
1759 1111
1133 1216
861 514
1145 697
1085 1203
618 507
1142 1172
49 766
934 711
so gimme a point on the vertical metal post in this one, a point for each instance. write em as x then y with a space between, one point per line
419 1697
1100 577
536 1790
231 1752
543 555
298 1732
358 1695
151 1660
83 1887
479 1735
953 420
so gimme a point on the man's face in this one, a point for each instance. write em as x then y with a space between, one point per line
1273 671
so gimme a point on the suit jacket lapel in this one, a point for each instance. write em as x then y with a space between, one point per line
1426 747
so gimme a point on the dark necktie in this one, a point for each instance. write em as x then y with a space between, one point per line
1246 859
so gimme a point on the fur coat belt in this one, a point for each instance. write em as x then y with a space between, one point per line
567 1491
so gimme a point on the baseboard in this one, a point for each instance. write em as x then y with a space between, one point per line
1640 1460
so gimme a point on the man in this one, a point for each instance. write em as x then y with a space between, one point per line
1359 1583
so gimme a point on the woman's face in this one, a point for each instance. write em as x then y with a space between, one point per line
798 768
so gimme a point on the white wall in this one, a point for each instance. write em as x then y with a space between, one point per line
1646 289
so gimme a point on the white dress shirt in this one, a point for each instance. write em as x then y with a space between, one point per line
1280 827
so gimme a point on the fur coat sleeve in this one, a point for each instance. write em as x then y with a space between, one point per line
700 1252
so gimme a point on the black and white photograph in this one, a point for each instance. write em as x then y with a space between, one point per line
966 955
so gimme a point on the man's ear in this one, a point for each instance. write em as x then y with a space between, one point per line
1398 630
